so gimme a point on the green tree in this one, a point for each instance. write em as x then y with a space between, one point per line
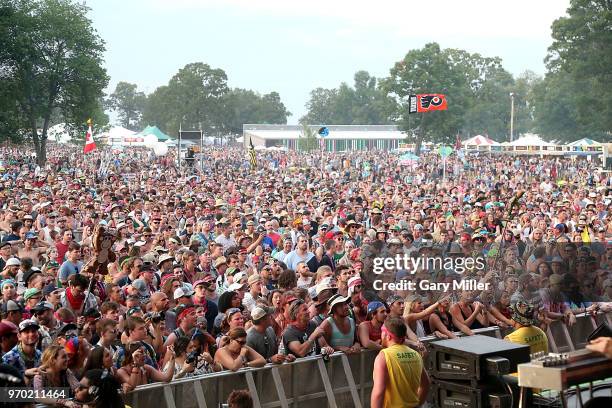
192 99
272 109
524 101
129 103
488 103
51 59
246 106
321 106
580 61
431 70
476 87
555 113
363 104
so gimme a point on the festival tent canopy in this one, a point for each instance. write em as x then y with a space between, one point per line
154 130
479 140
59 134
184 143
584 147
529 139
584 142
120 136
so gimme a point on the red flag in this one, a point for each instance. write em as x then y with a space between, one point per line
427 102
458 142
89 140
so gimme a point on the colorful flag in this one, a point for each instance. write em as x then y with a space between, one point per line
252 156
426 102
90 145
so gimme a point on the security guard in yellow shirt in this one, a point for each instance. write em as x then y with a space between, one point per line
399 378
523 314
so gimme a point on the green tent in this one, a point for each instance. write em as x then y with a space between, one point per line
154 130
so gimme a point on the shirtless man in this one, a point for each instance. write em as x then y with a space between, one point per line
32 248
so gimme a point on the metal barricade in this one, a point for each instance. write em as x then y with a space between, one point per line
344 381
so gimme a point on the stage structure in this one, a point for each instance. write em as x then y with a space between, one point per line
196 137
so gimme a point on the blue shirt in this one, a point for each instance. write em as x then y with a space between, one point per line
68 269
15 358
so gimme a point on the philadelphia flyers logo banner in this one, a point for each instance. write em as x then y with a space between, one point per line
427 102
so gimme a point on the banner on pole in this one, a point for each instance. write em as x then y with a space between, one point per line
427 102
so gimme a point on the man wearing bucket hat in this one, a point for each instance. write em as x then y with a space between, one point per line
340 329
526 332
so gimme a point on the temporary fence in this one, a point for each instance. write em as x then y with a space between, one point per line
344 380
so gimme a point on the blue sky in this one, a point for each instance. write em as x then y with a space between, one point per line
295 46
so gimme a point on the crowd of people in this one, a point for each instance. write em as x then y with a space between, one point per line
223 267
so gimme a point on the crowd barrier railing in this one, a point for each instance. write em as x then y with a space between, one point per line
343 381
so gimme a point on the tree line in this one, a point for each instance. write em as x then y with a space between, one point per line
51 71
196 97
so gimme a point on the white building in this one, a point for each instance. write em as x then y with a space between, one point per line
340 138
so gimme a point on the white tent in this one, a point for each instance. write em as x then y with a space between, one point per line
58 133
479 140
184 143
120 136
530 140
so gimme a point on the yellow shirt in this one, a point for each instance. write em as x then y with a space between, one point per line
531 336
404 367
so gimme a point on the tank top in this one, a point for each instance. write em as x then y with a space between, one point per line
404 367
339 339
373 332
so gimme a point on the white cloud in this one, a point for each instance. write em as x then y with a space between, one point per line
408 18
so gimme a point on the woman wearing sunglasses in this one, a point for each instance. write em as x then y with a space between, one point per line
236 354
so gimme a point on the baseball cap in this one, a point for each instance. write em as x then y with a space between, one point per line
259 312
41 307
131 311
31 293
181 292
231 271
13 262
28 324
236 286
560 227
11 306
7 328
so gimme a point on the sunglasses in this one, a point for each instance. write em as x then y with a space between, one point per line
242 342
